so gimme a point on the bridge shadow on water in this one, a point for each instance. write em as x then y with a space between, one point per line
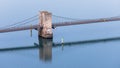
45 46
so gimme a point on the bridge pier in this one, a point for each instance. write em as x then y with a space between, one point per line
46 23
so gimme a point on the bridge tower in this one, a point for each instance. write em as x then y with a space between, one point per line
46 23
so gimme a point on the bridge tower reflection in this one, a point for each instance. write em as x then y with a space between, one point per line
45 49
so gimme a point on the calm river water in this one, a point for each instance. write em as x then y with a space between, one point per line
18 49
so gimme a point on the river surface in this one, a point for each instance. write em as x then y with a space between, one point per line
18 49
84 46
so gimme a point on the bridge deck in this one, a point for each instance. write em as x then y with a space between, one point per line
86 21
60 24
18 28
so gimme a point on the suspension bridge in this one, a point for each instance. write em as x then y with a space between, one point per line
45 25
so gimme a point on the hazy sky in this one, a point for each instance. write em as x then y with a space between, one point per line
16 10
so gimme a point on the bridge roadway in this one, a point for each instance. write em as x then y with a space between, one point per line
12 29
87 21
54 25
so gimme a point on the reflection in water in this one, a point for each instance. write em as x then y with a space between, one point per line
45 49
45 46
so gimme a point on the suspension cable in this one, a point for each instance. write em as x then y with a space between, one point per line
19 22
27 22
64 17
